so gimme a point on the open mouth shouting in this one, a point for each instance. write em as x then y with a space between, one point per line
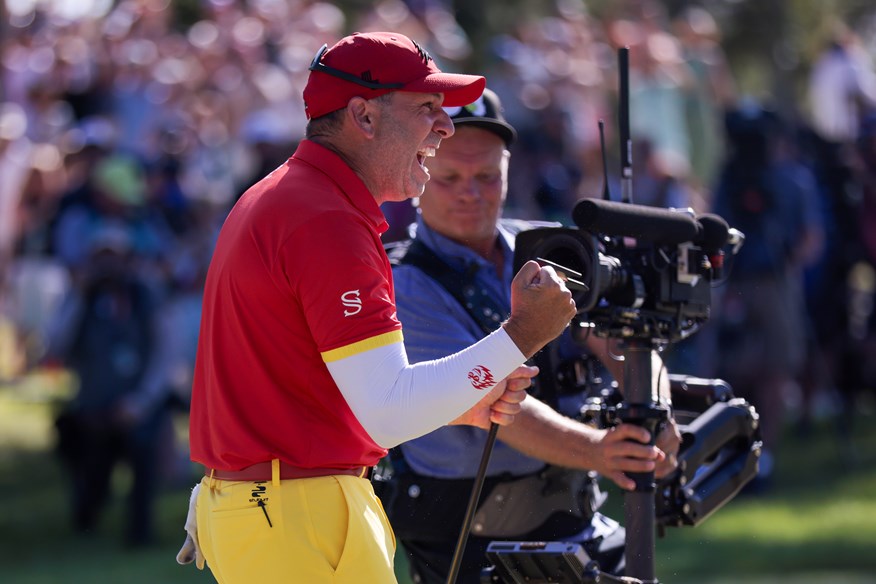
424 153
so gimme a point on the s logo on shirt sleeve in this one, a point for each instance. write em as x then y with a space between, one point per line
351 300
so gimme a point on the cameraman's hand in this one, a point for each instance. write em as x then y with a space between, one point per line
625 448
541 308
669 441
502 404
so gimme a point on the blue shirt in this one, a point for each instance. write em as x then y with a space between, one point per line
435 325
790 208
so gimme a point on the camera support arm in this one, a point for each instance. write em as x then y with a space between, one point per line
719 454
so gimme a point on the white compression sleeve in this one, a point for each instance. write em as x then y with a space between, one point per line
396 401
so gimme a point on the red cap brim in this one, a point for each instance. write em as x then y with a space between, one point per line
458 89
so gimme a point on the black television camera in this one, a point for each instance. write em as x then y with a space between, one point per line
635 271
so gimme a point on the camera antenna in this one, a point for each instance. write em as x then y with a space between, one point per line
626 144
606 191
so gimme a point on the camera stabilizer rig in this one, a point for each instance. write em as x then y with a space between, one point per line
643 275
719 452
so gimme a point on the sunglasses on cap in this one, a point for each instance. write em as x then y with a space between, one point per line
316 65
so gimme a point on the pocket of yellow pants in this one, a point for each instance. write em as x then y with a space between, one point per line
369 546
242 538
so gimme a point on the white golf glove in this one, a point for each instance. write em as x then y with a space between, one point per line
191 549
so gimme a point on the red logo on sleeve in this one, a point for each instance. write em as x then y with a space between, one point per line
481 377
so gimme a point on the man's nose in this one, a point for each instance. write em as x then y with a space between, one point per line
470 187
443 125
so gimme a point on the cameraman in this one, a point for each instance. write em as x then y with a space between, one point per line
537 487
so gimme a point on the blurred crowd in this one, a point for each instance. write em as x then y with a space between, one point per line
129 129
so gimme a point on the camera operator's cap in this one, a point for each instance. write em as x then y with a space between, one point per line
486 113
372 64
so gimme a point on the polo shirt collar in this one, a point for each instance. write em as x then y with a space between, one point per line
342 175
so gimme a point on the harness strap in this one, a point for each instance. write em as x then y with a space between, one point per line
461 284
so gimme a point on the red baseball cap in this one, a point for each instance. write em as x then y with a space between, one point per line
372 64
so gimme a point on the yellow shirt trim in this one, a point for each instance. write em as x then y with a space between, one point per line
362 346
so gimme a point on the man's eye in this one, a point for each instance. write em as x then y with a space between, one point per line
447 180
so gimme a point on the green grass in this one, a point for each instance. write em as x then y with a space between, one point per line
37 545
817 524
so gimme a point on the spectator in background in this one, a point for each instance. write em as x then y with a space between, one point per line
108 332
866 146
552 74
712 91
842 87
31 177
16 169
844 366
761 322
115 192
657 182
862 286
841 92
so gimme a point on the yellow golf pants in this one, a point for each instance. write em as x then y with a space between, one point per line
330 530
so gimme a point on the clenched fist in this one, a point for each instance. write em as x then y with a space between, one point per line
541 307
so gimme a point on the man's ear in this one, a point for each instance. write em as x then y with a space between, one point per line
363 115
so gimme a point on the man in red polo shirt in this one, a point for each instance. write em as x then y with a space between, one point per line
302 381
